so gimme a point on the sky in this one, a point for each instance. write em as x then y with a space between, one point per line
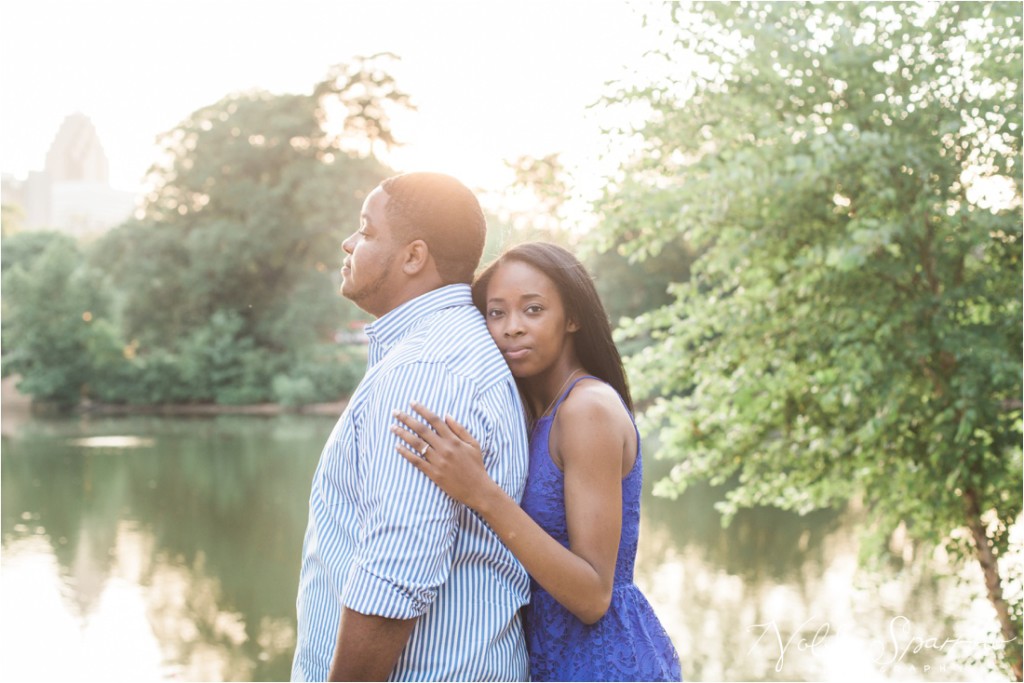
492 79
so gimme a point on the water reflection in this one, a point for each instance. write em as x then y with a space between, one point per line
203 516
154 548
779 596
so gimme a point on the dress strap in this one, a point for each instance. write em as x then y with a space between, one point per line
565 394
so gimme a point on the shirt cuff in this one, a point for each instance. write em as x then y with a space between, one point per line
367 593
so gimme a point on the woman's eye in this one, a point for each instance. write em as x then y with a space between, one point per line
534 309
494 313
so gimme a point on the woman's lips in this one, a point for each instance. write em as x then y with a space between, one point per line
516 353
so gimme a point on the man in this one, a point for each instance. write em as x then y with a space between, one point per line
398 581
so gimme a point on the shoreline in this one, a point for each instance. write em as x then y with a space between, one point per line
197 409
15 406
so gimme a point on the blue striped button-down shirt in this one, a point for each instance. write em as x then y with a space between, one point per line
382 539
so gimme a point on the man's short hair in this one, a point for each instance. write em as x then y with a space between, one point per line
442 212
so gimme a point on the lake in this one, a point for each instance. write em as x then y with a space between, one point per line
156 548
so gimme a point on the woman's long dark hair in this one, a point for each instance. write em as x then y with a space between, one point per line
594 345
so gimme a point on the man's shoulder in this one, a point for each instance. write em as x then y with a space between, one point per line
457 341
458 337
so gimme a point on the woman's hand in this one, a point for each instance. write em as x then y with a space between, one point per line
447 453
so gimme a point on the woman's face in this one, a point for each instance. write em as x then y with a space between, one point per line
526 317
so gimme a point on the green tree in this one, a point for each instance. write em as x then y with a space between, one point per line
540 187
848 175
226 289
631 286
240 242
249 209
23 248
50 301
627 286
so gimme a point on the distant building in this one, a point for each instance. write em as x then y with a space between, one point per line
73 193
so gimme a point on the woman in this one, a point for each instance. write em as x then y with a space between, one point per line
576 532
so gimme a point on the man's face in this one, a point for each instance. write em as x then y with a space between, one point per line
368 272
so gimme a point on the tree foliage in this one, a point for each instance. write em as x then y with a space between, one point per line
248 211
848 175
229 279
50 303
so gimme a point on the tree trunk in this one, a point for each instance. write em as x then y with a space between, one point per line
993 585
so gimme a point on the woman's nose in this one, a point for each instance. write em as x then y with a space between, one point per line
512 327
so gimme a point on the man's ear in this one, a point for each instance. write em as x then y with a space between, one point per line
415 257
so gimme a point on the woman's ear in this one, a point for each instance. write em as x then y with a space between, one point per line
573 326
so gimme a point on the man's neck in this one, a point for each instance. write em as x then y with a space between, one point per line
414 288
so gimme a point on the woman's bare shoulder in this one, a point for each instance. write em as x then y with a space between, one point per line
592 398
591 416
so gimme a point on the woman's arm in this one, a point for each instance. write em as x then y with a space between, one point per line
590 441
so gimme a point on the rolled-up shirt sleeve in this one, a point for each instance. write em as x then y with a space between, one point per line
408 525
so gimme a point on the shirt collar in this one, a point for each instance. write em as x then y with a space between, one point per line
388 329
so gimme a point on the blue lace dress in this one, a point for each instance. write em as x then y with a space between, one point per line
628 643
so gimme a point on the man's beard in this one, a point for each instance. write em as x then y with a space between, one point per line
365 292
